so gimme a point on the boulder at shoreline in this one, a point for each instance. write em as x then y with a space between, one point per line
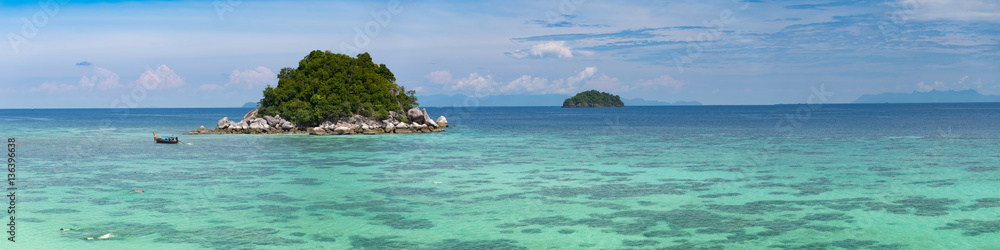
419 122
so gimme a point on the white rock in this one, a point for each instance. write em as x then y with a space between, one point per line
250 115
222 124
414 115
427 119
286 125
258 123
240 125
271 121
327 125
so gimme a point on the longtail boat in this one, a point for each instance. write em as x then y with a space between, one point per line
168 139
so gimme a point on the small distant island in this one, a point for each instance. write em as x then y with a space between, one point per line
593 99
333 94
524 100
251 105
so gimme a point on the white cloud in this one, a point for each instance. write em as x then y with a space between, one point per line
557 49
257 77
586 73
439 77
604 83
160 78
87 82
922 87
529 84
483 85
586 79
958 10
53 87
103 78
210 87
943 86
662 82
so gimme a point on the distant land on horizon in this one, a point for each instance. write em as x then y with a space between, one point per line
250 105
548 100
933 96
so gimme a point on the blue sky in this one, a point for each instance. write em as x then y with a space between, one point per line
102 54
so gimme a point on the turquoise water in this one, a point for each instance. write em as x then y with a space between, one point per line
847 176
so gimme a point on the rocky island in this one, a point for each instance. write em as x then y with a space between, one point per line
593 99
333 94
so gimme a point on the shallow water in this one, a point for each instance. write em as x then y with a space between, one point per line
848 176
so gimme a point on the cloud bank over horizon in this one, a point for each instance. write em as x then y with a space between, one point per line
716 52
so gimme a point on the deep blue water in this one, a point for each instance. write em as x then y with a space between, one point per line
860 117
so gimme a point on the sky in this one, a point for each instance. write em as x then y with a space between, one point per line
115 54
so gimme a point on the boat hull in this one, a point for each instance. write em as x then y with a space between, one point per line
161 140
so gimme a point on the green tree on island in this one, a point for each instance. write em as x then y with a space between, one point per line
593 98
329 85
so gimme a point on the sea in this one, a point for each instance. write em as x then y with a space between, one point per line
822 176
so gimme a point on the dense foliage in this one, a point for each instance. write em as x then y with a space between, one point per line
593 98
328 85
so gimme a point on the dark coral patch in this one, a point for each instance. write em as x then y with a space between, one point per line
639 243
399 222
719 195
827 217
58 211
973 227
